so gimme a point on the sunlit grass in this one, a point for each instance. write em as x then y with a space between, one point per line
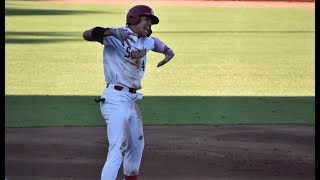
219 51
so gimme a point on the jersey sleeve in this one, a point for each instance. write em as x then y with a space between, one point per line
150 43
110 40
159 46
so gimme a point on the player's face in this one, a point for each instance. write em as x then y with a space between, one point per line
144 26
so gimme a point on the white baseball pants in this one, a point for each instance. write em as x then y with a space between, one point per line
124 132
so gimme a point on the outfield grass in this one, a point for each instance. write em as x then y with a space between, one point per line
220 52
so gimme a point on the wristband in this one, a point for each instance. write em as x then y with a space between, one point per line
97 34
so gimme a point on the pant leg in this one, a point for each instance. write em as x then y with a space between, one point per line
132 159
116 112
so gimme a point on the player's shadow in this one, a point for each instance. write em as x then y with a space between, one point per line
35 111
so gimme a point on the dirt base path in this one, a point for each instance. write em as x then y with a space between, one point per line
255 152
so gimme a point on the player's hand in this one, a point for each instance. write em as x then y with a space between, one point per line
168 56
123 34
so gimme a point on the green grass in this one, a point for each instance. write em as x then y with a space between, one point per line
40 111
220 52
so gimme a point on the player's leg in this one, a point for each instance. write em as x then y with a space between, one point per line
132 159
116 114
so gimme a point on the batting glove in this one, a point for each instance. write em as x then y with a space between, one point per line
123 34
168 56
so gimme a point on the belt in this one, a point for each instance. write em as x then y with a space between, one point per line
120 88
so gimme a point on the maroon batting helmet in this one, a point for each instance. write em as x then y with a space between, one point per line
133 16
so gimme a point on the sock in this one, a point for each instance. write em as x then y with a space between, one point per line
131 177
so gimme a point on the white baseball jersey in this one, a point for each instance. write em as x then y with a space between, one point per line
125 65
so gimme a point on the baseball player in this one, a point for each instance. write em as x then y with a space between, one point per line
124 62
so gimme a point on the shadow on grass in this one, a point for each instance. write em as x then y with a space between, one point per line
37 41
44 12
57 37
68 34
41 37
230 32
39 111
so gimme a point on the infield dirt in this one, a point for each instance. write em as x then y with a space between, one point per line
188 152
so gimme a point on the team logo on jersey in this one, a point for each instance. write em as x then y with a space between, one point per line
136 54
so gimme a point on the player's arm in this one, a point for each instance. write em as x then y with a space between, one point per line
161 47
98 33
